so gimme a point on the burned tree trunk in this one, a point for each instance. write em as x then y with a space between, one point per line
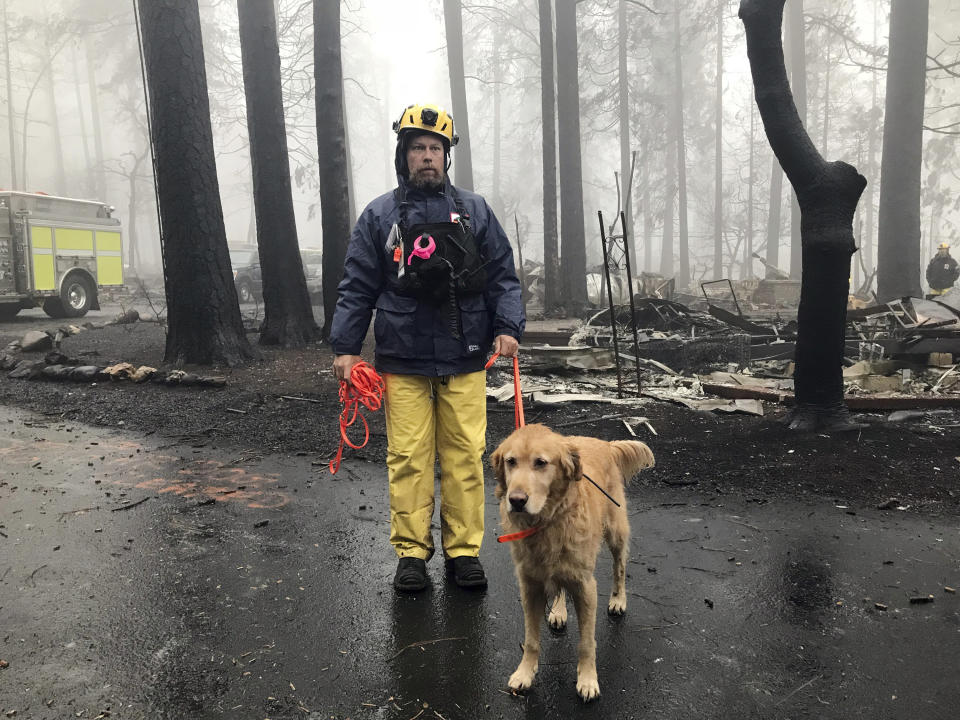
683 240
898 245
332 140
573 251
623 95
797 48
202 308
453 22
828 193
548 110
288 318
718 157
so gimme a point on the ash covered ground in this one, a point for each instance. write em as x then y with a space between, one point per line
702 456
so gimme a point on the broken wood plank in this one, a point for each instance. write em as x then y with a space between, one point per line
853 402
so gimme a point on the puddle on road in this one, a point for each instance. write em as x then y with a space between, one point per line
64 449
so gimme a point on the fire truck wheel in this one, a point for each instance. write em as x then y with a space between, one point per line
244 292
76 296
54 308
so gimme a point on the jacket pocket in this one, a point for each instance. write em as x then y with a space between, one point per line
477 325
395 327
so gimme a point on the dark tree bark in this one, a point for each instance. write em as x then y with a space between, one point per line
647 208
572 240
11 131
868 241
828 193
773 220
288 318
798 85
718 156
133 244
202 308
496 197
623 92
463 167
548 110
669 194
898 251
88 185
747 273
60 172
100 166
683 248
331 138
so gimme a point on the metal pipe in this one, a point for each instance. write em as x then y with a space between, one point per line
613 320
633 317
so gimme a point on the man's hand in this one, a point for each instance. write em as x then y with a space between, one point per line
343 364
506 345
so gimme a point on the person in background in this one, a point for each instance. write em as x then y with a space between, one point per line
942 272
437 266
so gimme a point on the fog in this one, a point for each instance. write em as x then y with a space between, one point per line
73 120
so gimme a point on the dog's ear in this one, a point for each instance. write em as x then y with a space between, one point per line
570 461
496 460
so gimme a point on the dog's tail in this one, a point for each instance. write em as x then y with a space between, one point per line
632 457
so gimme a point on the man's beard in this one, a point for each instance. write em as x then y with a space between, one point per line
427 181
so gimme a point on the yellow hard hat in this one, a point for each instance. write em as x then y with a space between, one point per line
944 246
429 119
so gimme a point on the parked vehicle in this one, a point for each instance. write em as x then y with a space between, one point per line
246 273
313 273
248 279
56 252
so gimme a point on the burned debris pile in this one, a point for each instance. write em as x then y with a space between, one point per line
732 349
19 360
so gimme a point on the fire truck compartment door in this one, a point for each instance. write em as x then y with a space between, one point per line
41 258
109 258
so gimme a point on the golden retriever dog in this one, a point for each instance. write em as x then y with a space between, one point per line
557 518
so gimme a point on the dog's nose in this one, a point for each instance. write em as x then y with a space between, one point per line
517 501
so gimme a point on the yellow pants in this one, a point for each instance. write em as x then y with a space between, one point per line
426 417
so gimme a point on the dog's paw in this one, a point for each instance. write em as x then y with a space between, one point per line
617 605
522 678
557 619
588 688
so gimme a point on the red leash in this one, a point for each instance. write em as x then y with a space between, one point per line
517 392
365 387
519 422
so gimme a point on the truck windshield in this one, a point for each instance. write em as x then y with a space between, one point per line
243 258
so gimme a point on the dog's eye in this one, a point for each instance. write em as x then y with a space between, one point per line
540 463
511 462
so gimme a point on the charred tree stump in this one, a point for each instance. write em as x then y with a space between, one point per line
828 193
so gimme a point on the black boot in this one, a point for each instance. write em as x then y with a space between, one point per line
467 572
411 575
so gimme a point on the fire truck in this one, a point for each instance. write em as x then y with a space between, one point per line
57 253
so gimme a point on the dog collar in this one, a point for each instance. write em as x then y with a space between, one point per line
510 537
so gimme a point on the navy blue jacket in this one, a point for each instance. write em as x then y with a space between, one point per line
413 337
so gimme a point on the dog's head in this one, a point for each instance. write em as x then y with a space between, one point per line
533 467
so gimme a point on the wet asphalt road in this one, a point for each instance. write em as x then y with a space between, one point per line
259 587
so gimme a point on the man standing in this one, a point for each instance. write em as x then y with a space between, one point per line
437 266
942 272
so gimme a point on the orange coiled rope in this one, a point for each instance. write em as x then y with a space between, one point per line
365 388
